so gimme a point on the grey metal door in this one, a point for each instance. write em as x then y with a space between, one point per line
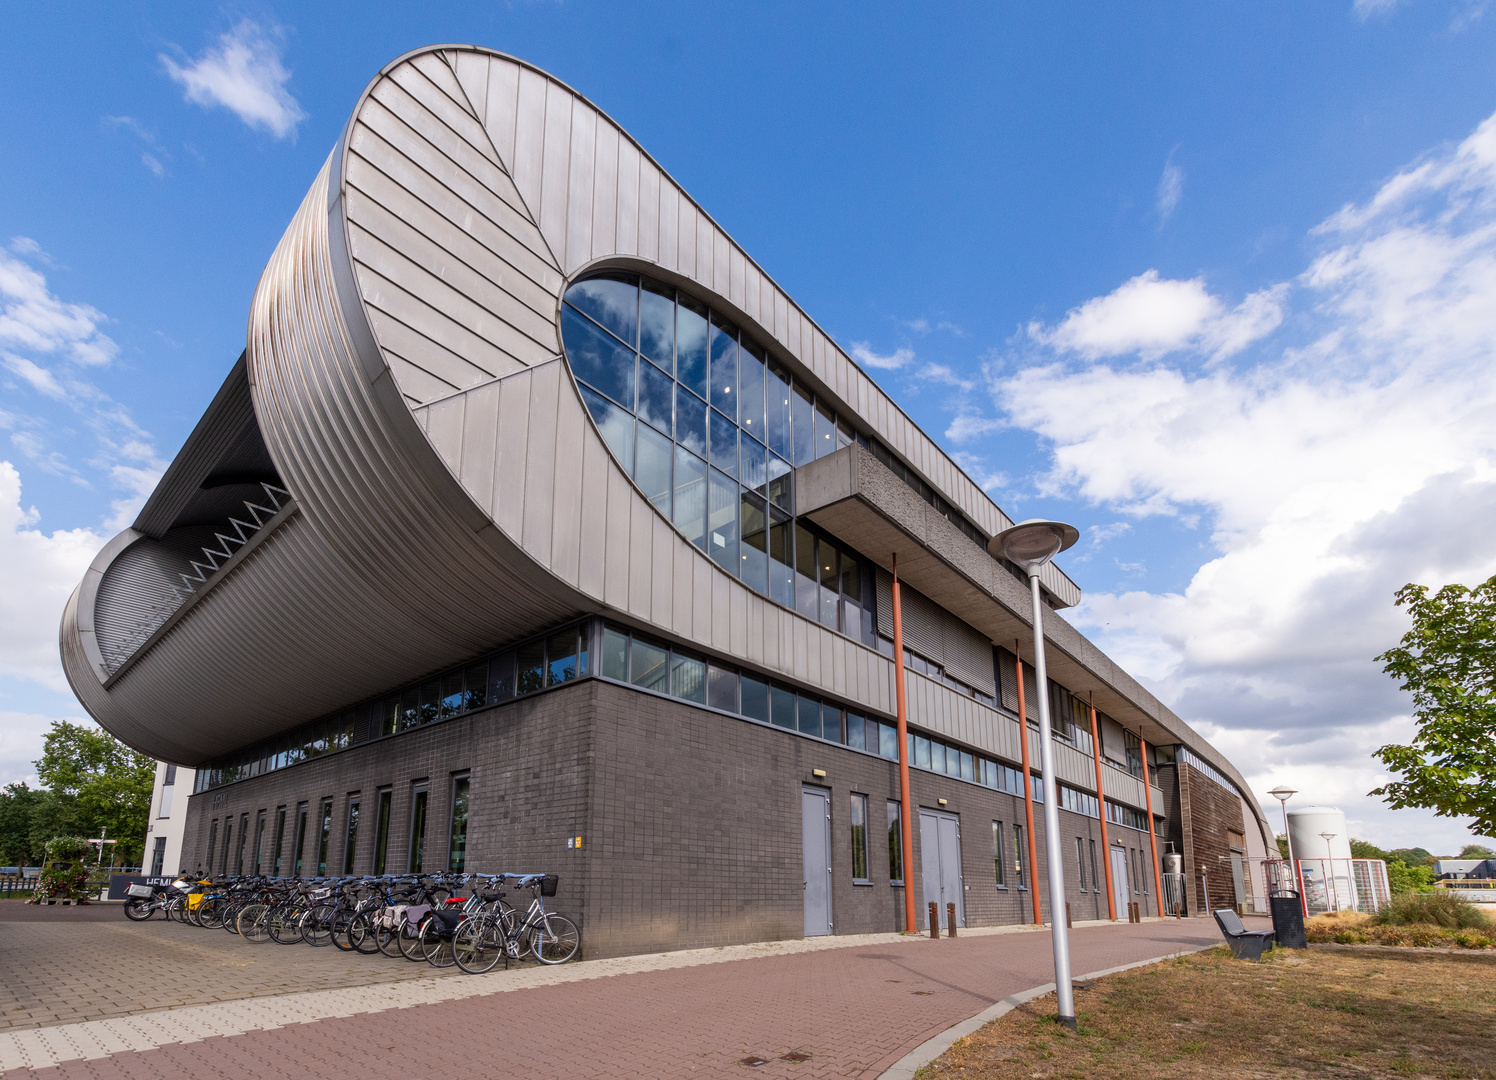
940 867
815 830
1238 885
1121 894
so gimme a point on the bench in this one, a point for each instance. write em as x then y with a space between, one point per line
1245 944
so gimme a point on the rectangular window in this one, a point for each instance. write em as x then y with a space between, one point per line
778 408
830 578
166 800
171 776
561 658
688 678
888 742
615 654
809 716
259 844
324 837
158 857
1095 880
212 842
298 847
1019 853
997 854
895 845
856 732
722 520
243 843
531 661
457 841
228 842
417 847
350 836
755 698
280 838
859 838
807 592
382 830
650 666
690 494
722 689
803 414
1080 862
782 707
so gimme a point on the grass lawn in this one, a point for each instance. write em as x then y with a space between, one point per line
1316 1013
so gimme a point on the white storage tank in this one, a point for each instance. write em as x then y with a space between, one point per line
1324 864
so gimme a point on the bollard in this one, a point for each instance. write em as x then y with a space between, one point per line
934 921
1067 915
950 920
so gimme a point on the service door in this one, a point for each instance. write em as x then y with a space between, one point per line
940 867
1121 894
815 828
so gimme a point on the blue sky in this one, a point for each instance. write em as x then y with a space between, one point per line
1214 283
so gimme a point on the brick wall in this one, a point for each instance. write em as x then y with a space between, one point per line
689 819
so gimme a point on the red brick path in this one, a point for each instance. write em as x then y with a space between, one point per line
855 1011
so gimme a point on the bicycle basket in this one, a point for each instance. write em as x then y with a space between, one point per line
548 884
141 892
321 894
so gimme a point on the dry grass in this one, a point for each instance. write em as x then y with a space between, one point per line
1298 1014
1353 928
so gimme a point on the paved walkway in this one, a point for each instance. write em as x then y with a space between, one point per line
853 1005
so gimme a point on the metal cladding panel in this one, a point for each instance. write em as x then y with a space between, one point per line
1124 788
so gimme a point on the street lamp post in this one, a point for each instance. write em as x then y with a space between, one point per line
1283 793
1330 858
1031 544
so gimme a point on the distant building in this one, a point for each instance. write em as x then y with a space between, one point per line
163 836
1462 869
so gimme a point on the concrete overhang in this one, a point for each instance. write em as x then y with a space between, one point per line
856 498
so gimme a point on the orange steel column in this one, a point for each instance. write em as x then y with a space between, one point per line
1028 789
906 826
1106 851
1158 880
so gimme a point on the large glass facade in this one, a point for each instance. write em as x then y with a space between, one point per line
711 428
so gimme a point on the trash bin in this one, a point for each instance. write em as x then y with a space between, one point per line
1288 919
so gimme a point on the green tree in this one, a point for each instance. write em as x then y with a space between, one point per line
1477 851
93 782
18 805
1447 661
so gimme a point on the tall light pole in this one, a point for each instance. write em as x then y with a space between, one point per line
1283 793
1330 858
1031 544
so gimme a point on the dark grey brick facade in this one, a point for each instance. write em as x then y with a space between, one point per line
688 819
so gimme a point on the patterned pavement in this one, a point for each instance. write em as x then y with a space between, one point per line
188 1003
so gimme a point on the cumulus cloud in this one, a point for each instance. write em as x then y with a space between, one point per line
40 572
863 353
1153 316
244 74
1366 9
1355 460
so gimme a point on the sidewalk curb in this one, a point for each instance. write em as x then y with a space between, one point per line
910 1064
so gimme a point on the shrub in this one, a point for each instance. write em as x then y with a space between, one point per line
1437 908
64 877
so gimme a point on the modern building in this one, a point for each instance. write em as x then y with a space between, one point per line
537 528
163 836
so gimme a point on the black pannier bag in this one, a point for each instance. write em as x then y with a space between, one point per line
548 884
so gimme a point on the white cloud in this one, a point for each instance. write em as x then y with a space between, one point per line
34 319
966 427
40 572
154 152
942 373
41 380
1332 473
244 74
1170 189
1365 9
863 353
1153 316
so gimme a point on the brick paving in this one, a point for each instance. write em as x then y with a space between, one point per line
63 965
855 1009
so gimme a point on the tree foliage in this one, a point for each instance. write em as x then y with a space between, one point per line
91 781
1402 876
1477 851
1447 662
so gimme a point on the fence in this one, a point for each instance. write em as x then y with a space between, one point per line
1327 884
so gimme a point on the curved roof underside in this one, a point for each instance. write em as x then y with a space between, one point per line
447 489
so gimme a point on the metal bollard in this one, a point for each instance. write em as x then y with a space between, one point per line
934 921
950 920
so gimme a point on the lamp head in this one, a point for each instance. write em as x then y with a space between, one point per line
1282 794
1033 543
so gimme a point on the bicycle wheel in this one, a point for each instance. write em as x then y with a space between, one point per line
387 939
316 924
285 924
231 915
409 939
361 933
176 909
252 923
478 945
138 910
556 939
436 944
342 924
210 914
